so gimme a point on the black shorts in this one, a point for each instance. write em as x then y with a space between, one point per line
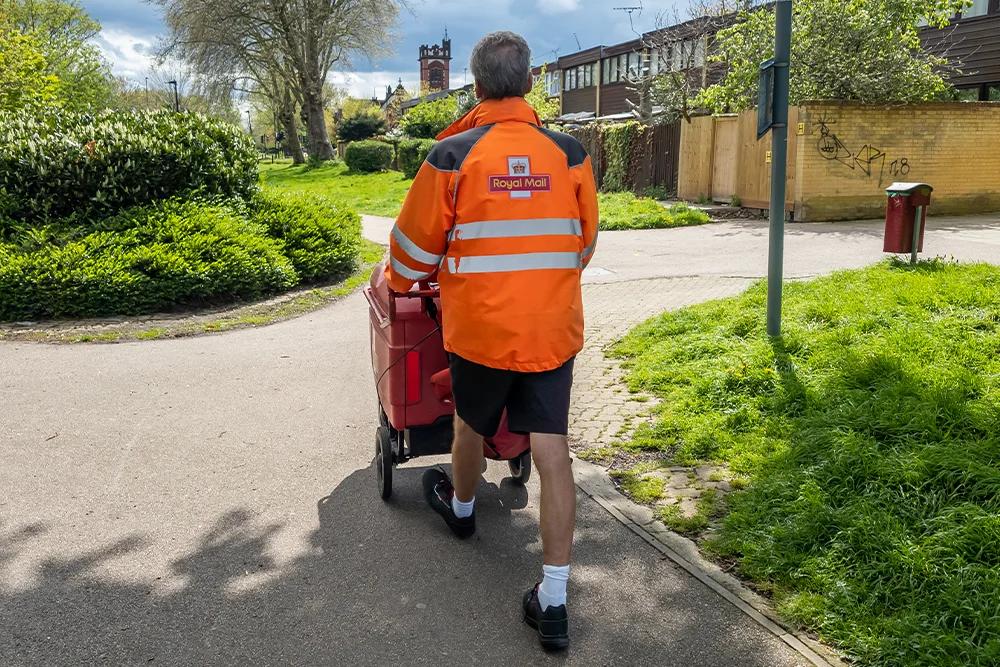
535 402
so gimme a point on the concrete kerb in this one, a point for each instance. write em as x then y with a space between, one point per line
593 481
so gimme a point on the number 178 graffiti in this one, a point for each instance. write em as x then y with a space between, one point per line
832 148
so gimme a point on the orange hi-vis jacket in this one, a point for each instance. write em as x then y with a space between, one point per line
505 212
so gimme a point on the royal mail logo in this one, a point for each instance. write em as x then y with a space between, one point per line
528 184
519 181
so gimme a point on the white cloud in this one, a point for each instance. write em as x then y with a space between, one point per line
130 56
558 6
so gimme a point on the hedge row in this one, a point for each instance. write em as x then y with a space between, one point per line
81 168
412 154
176 254
368 156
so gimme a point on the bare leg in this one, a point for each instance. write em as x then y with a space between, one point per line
551 455
466 461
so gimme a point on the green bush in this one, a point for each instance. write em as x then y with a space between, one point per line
657 192
619 143
368 156
412 154
321 238
85 167
429 119
359 128
144 260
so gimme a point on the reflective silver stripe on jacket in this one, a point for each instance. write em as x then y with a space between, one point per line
520 262
412 249
496 229
590 249
407 272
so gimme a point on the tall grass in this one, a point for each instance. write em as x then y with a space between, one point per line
870 432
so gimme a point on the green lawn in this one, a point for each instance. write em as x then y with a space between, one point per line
623 210
374 194
869 434
383 194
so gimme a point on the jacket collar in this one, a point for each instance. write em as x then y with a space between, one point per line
489 112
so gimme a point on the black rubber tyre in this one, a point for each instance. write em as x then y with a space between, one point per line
520 468
383 462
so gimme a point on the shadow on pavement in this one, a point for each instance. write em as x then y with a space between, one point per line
383 584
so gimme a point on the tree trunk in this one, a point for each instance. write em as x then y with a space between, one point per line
319 138
291 133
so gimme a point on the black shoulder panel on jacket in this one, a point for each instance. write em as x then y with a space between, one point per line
576 154
449 154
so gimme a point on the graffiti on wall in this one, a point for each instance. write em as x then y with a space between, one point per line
868 160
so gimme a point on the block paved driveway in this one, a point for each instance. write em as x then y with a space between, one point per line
210 501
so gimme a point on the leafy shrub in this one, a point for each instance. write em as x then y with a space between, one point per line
618 152
321 238
85 167
658 192
623 210
429 119
359 128
412 154
144 260
368 156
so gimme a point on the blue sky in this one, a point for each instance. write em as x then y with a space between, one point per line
131 27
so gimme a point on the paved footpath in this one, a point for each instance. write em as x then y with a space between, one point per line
210 501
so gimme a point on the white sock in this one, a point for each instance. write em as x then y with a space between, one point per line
552 590
461 509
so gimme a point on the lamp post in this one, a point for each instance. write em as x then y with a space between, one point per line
147 92
177 101
250 124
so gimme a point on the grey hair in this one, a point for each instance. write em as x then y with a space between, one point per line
501 65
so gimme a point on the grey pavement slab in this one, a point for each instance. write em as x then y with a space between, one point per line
209 501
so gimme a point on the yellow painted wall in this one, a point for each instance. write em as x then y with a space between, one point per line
849 153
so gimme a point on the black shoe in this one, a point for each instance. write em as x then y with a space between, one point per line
438 492
552 624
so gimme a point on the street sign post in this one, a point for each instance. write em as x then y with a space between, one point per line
773 114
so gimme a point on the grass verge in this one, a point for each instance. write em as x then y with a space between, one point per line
119 330
870 436
373 194
623 210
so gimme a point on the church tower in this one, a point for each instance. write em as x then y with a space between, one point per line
435 65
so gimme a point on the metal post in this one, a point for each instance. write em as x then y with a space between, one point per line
918 222
147 93
779 162
177 102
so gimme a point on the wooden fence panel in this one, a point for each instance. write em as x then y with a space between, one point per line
753 186
694 179
726 143
656 162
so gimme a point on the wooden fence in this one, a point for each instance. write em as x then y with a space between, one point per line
656 160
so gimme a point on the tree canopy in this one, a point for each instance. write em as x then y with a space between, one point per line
862 50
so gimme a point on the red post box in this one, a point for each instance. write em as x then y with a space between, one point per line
905 215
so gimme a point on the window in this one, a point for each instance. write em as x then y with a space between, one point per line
993 93
654 62
437 77
679 57
587 80
633 63
978 8
581 78
566 78
607 71
967 94
552 83
623 67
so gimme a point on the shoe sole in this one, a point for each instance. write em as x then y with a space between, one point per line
548 643
461 532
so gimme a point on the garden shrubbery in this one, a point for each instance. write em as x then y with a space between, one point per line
122 215
368 156
60 165
412 154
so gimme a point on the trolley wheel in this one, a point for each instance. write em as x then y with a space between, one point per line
383 462
520 468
